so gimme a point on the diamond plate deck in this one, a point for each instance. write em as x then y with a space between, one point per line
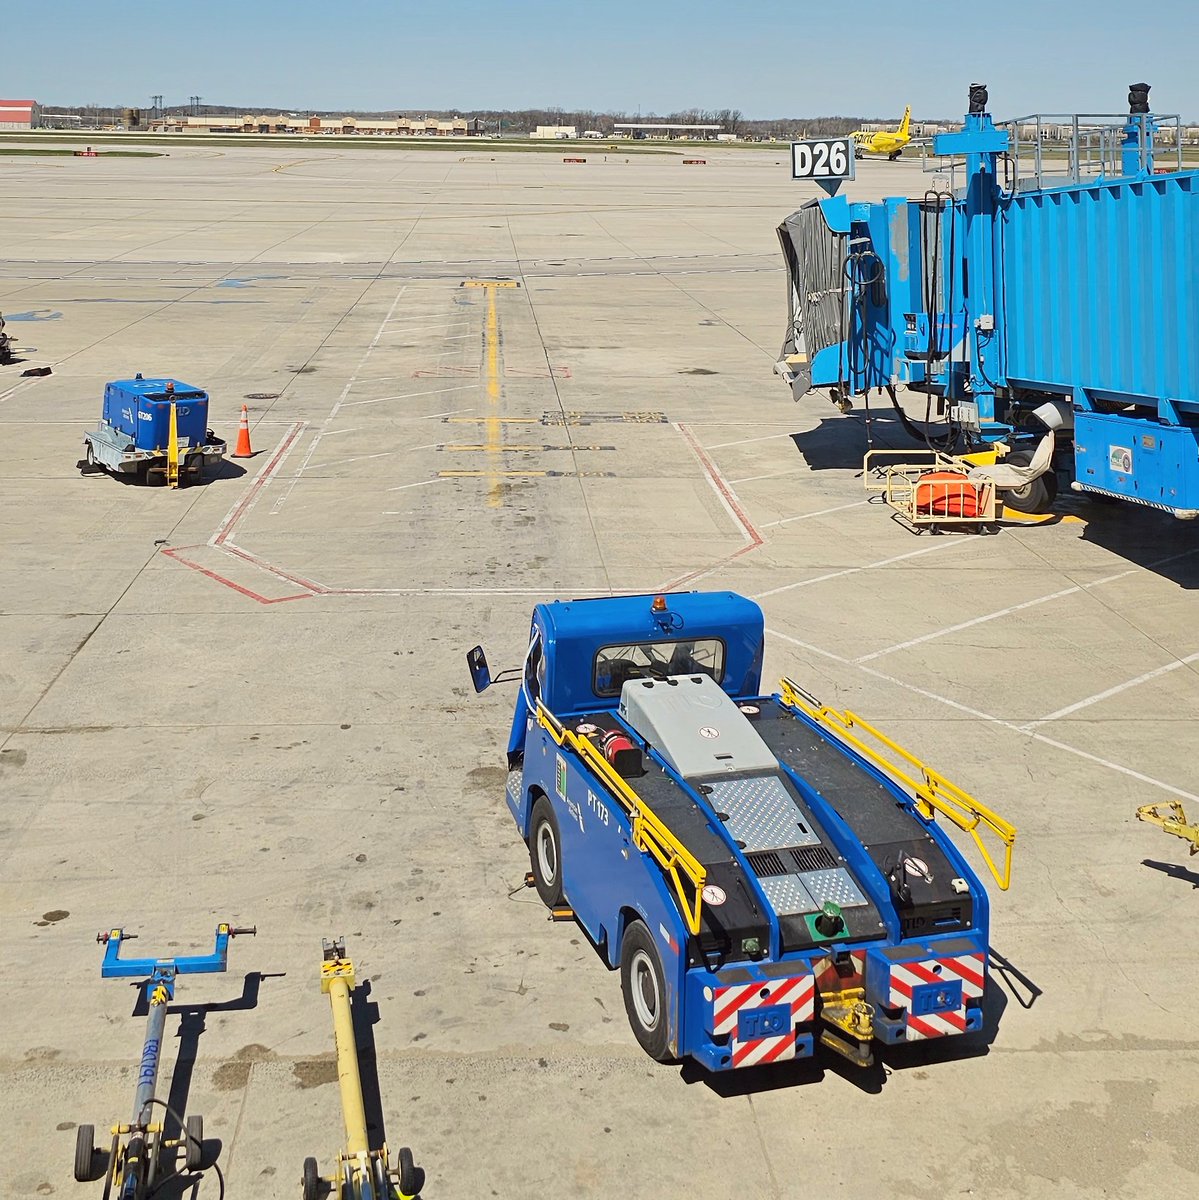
836 885
761 813
787 895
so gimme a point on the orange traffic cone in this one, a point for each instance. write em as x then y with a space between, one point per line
243 436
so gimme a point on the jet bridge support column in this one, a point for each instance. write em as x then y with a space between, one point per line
979 370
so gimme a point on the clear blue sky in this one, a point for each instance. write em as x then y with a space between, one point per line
765 57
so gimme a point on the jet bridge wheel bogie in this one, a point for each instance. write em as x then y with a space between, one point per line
643 984
545 853
1035 497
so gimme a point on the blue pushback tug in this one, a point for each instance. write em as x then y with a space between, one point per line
134 436
765 871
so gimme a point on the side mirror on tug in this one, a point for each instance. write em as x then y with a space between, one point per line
480 672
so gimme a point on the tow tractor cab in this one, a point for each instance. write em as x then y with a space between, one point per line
765 871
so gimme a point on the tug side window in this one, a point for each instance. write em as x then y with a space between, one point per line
534 671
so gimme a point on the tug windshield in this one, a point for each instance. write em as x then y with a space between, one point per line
615 665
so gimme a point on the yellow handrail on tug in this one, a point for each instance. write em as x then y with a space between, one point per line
650 833
932 792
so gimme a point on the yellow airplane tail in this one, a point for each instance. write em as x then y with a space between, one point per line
907 120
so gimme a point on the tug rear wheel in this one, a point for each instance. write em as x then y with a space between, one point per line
85 1152
643 983
545 853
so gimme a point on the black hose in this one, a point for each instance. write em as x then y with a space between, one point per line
916 433
187 1136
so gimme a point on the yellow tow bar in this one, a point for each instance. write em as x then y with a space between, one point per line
362 1173
173 450
1175 824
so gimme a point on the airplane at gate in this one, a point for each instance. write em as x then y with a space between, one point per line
886 141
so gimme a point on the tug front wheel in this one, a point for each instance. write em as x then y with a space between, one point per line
545 853
643 983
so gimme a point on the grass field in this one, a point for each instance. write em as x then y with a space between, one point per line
41 152
522 145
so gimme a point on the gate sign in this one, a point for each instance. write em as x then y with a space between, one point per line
823 159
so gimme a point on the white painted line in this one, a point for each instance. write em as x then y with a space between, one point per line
345 391
1115 691
12 391
746 441
412 395
424 328
772 475
244 503
1176 792
419 483
992 616
1014 608
335 432
883 562
341 462
824 512
991 720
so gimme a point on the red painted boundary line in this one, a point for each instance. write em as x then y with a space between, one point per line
257 561
237 587
755 539
264 476
229 524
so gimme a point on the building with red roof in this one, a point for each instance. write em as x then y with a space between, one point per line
20 114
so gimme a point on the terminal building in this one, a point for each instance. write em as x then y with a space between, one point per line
338 126
20 114
666 129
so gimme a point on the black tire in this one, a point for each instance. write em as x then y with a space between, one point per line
1035 497
545 852
411 1177
643 984
193 1148
312 1180
195 466
85 1152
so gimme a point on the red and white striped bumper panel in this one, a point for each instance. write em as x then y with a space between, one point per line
733 1008
928 987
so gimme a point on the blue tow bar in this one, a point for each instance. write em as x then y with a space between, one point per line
135 1157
